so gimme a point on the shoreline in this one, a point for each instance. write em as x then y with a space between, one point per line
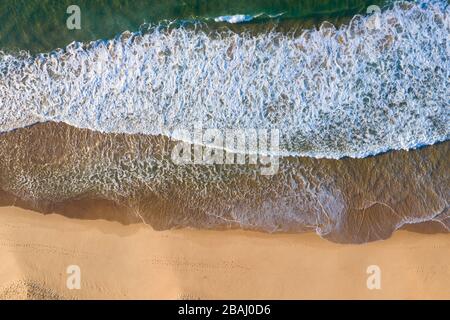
134 261
81 173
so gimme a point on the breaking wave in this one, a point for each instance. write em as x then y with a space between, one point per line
380 83
240 18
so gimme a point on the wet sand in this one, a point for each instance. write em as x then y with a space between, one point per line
134 261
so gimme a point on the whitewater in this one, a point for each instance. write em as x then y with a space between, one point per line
379 83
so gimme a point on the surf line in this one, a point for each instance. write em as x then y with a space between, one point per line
227 146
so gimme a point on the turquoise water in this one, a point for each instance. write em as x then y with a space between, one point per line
40 25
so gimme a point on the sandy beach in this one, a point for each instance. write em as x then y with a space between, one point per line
133 261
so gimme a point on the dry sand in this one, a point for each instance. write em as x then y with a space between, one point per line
134 261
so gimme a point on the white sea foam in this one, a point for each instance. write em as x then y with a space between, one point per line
237 18
240 18
352 91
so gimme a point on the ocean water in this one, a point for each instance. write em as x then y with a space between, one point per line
354 91
361 104
40 25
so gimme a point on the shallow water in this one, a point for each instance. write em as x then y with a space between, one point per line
55 167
